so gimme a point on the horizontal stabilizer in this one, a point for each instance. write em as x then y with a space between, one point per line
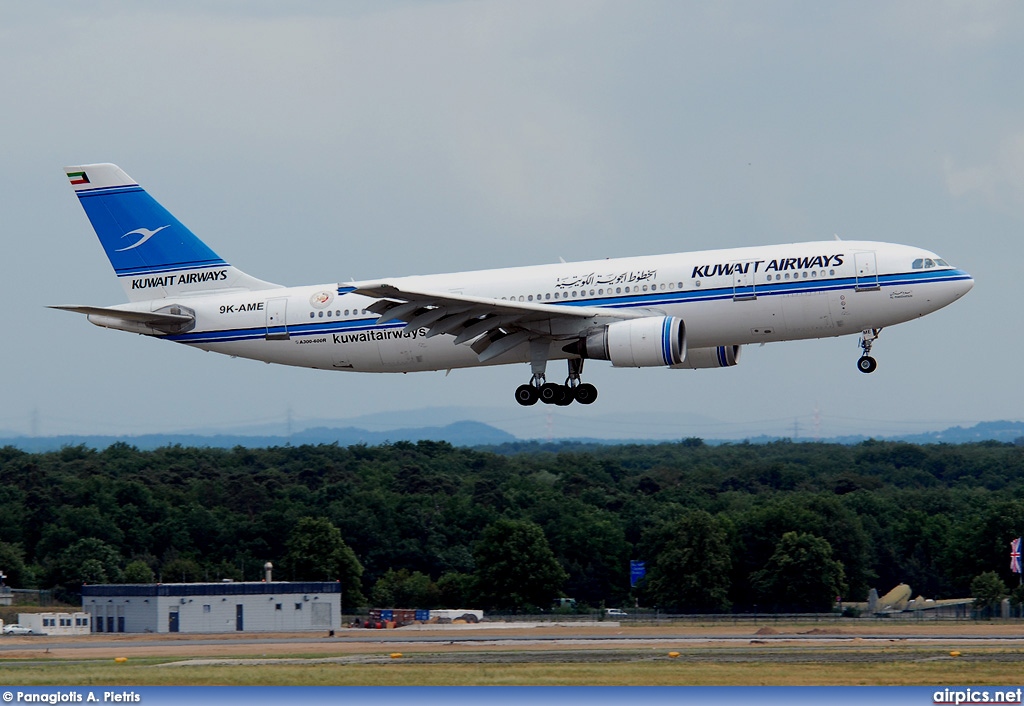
173 319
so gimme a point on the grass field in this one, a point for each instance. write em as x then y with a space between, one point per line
906 669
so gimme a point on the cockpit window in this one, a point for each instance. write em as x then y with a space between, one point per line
926 263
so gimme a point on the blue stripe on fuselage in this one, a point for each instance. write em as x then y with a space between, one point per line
615 302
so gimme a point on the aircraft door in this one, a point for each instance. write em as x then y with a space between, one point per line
867 271
743 282
277 321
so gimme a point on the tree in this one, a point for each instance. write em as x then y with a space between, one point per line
801 575
316 552
88 560
988 591
591 546
406 590
515 567
181 569
12 564
690 565
138 571
454 589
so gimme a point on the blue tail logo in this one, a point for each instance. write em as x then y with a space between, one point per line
146 234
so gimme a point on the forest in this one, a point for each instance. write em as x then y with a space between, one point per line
732 528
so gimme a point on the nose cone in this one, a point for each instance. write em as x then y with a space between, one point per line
964 284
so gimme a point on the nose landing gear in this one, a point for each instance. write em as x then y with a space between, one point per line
867 364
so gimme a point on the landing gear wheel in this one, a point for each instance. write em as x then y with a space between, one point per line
585 393
526 395
567 396
867 364
550 393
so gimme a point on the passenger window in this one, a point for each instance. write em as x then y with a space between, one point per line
312 314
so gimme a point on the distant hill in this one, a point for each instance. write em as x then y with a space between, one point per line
468 433
457 434
1006 432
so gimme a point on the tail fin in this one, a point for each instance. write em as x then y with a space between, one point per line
152 253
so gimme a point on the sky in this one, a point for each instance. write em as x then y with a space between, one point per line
314 142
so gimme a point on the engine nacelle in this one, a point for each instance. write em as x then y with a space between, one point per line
715 357
636 343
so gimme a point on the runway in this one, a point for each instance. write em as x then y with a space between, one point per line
696 642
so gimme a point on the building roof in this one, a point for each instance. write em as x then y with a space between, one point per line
226 588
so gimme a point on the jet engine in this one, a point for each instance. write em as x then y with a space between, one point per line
635 343
714 357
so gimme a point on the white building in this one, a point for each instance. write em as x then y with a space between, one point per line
56 623
277 606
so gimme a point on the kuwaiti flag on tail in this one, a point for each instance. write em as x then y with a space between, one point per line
1015 555
78 177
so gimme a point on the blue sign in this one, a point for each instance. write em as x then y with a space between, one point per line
637 570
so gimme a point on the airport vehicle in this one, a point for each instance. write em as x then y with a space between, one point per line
615 613
15 629
685 310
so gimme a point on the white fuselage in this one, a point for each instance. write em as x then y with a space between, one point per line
725 297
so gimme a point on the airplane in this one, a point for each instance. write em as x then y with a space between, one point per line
687 310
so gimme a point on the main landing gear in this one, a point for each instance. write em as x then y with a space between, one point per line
553 393
867 364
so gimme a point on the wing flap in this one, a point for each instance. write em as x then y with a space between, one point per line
491 326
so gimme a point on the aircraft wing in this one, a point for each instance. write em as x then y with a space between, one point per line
495 326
